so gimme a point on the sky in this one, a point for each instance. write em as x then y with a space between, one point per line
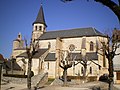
18 15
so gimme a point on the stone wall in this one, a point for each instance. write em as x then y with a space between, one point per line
37 80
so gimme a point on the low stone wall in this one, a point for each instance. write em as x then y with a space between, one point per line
14 72
15 80
37 80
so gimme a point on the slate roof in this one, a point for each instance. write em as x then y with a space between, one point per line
40 17
20 48
7 65
37 55
77 56
71 33
50 57
89 55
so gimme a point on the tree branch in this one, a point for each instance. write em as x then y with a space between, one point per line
61 66
117 54
112 5
119 2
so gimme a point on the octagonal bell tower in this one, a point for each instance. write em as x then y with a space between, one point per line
39 25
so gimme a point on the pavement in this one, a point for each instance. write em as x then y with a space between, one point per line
83 86
117 87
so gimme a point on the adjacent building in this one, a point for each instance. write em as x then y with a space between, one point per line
116 60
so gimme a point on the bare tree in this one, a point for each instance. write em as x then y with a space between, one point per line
31 51
84 61
65 64
112 5
109 50
68 61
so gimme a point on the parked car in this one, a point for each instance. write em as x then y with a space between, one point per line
104 78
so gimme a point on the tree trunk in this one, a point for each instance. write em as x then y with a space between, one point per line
0 74
65 77
29 74
111 83
110 61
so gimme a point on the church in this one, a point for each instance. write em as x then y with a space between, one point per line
55 46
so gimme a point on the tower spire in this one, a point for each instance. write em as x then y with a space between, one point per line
40 17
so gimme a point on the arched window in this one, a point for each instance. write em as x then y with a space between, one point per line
90 70
48 65
40 27
35 28
91 46
81 70
41 65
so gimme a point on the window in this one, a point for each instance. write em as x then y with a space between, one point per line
35 27
40 27
48 65
71 47
104 61
117 37
44 28
118 75
41 65
90 70
81 70
91 46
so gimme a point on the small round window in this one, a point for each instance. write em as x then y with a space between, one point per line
71 47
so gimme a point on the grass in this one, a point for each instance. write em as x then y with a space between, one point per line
50 80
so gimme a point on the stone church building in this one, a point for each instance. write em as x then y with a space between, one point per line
54 46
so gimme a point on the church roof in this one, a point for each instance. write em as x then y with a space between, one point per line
77 56
71 33
89 55
37 55
40 17
50 57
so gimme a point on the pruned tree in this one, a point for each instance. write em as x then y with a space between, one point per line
65 64
109 50
31 51
112 5
68 61
85 64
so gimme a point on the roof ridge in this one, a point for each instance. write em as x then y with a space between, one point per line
68 29
95 31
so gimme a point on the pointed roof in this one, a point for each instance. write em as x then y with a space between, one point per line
40 17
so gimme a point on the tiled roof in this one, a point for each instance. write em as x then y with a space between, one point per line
78 32
37 55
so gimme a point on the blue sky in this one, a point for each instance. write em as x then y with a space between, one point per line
18 15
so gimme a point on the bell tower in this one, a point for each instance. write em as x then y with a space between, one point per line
39 25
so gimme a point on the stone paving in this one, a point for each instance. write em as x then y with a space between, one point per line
80 86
